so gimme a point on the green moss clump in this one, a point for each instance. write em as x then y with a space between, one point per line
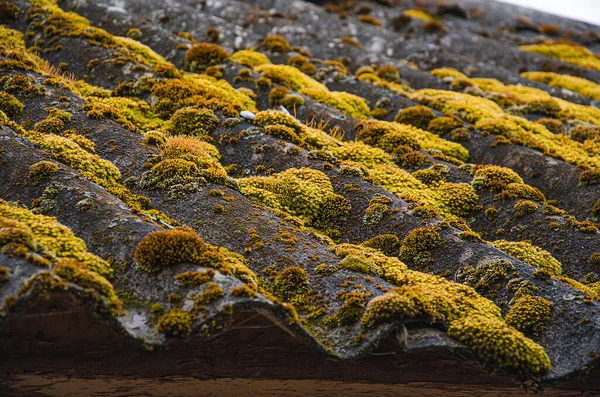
11 106
189 279
203 55
50 241
9 12
291 282
351 310
500 346
50 125
191 121
525 207
582 133
175 322
284 132
43 170
4 272
530 254
134 33
444 125
590 177
388 244
244 291
494 177
154 138
163 249
553 125
530 315
418 116
418 244
211 293
277 43
305 193
488 277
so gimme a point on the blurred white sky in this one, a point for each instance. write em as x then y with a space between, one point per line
582 10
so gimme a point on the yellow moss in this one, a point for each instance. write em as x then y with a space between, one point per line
576 84
175 322
452 200
126 111
250 58
50 239
423 297
490 117
12 39
305 193
388 136
448 72
501 346
418 14
313 137
528 253
361 153
350 104
164 249
530 315
570 53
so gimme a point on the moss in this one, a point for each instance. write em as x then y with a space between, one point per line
163 249
191 121
4 274
51 241
388 73
444 125
487 278
433 26
11 106
530 254
369 19
277 43
291 282
553 125
175 323
570 53
351 41
418 116
244 291
576 84
9 12
134 33
418 244
351 310
525 207
202 55
390 136
581 133
283 132
530 315
50 125
77 272
189 279
305 193
388 244
494 177
590 177
500 346
491 118
43 170
154 138
211 293
418 14
350 104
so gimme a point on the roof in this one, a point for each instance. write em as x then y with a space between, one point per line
265 191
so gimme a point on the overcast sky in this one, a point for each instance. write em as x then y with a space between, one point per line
582 10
